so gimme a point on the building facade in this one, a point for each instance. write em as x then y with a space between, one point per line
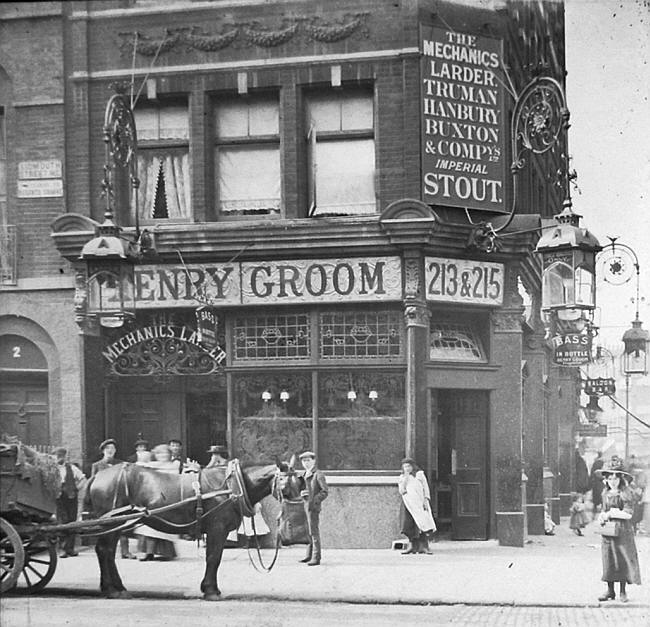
311 176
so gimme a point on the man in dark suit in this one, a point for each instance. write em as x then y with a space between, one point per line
73 486
314 493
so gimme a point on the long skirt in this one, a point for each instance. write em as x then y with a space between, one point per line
620 559
161 543
407 524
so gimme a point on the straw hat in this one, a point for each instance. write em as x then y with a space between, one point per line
615 466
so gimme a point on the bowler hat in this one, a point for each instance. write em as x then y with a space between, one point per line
140 442
60 451
408 460
105 443
615 466
307 454
218 449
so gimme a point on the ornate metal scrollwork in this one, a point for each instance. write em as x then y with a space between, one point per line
119 130
540 116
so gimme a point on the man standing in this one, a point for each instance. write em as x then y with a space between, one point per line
141 446
108 449
219 456
313 495
73 485
176 447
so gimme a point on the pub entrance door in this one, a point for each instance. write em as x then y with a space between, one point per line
460 437
191 409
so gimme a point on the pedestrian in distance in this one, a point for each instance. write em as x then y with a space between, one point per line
314 492
578 516
70 500
176 447
141 447
417 522
549 525
619 554
596 482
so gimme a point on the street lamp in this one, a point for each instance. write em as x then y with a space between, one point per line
109 256
620 263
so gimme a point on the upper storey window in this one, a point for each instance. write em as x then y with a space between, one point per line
163 162
247 156
342 152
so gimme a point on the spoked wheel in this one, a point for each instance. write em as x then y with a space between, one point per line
39 566
12 556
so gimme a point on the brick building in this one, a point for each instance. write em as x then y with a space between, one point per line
311 172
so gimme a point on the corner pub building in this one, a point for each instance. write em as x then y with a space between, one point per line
311 174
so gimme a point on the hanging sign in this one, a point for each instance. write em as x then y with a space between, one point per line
207 324
462 120
600 387
593 430
571 349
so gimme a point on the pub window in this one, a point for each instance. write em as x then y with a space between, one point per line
361 419
341 152
247 156
271 337
455 341
272 415
163 162
360 335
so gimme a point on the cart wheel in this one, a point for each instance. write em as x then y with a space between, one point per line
12 556
39 567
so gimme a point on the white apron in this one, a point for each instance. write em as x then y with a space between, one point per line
416 500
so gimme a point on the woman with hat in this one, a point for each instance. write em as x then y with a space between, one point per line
219 456
416 519
620 559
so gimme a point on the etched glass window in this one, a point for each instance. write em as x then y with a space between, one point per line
360 335
271 337
272 415
361 419
452 341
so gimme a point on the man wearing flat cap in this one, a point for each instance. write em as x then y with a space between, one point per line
313 494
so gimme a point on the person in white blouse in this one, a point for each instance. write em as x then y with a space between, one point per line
417 522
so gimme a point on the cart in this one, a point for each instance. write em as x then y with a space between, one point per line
29 486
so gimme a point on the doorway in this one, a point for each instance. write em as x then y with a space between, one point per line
460 456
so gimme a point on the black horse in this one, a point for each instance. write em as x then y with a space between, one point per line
231 492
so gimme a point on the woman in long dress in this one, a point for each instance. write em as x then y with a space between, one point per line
416 519
620 559
152 543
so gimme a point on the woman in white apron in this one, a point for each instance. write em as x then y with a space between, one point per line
415 516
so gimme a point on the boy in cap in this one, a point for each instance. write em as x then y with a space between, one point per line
108 449
73 485
141 446
313 495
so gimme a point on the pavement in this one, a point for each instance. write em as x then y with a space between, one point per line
557 571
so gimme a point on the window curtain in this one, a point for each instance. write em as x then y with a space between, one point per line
175 169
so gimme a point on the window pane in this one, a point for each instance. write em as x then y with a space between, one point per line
272 337
361 335
164 182
249 178
146 123
174 123
345 176
451 341
272 429
324 113
356 113
232 119
264 118
363 433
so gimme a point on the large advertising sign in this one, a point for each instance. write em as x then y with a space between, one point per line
367 279
463 129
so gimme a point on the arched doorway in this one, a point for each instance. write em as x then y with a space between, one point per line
24 400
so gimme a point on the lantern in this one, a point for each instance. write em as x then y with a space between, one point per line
637 343
568 262
110 275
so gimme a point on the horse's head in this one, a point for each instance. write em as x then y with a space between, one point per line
289 481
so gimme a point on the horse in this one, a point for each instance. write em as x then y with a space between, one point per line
168 502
